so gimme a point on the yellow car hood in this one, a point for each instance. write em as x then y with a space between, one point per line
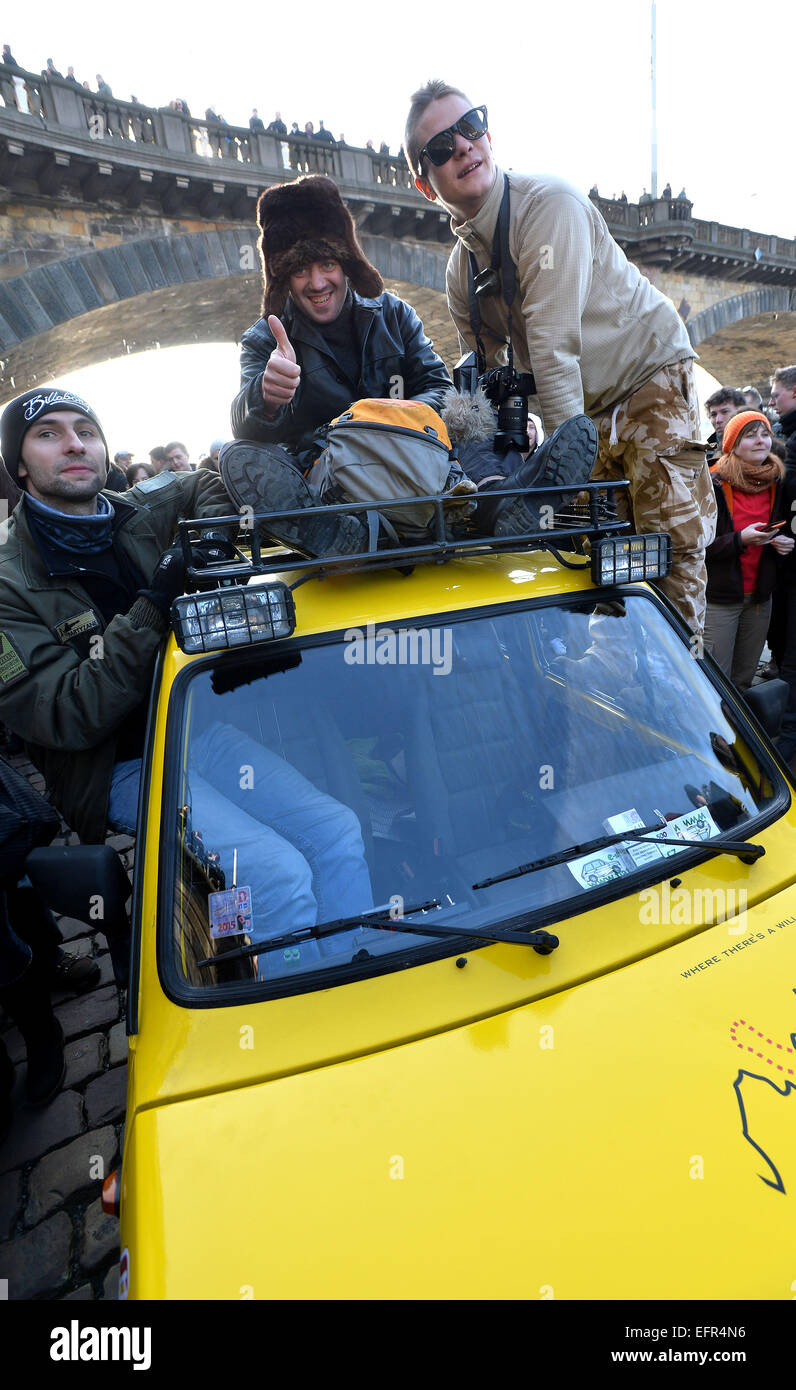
632 1137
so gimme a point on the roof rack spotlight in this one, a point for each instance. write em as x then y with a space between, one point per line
233 617
627 559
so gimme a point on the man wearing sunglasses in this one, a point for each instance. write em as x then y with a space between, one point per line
598 337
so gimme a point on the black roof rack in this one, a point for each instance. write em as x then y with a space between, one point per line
587 513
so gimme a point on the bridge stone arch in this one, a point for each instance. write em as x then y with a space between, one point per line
168 291
766 300
746 337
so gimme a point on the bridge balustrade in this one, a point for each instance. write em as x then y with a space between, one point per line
30 103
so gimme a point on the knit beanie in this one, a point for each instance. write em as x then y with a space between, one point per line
302 222
736 423
24 411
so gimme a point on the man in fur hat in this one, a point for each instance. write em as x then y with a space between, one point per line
329 334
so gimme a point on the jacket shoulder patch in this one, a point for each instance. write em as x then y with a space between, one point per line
12 667
152 484
74 627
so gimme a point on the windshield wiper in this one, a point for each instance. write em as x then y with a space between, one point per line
542 941
745 851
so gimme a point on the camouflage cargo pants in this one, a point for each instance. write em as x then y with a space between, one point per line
652 439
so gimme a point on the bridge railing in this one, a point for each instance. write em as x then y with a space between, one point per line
57 106
56 102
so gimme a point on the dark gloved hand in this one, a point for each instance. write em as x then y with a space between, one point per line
168 581
212 549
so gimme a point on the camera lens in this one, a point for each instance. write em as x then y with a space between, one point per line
512 421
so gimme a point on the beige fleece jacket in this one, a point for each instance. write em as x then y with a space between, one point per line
588 324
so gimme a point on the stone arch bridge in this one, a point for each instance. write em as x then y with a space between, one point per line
124 228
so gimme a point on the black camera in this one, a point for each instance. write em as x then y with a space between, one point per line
509 391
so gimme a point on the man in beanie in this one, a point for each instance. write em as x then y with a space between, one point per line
596 334
82 564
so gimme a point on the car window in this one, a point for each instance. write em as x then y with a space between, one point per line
388 768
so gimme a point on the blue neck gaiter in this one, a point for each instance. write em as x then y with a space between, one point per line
74 533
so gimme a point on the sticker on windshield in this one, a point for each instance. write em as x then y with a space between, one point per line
230 912
617 861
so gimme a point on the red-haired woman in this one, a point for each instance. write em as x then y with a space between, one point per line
742 560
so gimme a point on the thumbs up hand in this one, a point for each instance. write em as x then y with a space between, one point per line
282 374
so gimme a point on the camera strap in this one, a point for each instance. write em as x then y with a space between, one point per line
501 271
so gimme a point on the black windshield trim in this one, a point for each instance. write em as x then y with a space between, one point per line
229 995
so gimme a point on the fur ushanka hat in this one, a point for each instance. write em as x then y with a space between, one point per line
308 221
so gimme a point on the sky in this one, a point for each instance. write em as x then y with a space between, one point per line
567 87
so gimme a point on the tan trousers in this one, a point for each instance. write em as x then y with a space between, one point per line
652 439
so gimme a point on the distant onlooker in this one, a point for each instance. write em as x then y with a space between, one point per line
70 76
215 449
682 195
278 127
753 398
783 400
622 197
255 122
309 130
742 559
138 473
384 148
102 86
123 458
50 70
159 459
323 134
645 196
721 406
294 130
7 89
594 191
667 192
177 455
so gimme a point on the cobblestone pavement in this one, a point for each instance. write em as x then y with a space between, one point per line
55 1240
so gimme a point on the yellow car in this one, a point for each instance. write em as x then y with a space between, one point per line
464 943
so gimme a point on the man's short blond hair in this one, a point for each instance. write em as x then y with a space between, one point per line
434 90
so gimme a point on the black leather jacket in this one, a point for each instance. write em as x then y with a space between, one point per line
395 356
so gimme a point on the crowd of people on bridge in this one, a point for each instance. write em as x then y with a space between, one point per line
179 106
612 368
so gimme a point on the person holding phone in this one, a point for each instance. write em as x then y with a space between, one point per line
742 561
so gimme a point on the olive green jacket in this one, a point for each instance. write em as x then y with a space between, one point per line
63 691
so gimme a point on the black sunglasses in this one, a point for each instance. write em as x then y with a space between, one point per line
472 125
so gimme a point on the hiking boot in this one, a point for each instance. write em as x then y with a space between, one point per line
75 973
265 477
565 459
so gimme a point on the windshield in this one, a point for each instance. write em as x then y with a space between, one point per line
388 768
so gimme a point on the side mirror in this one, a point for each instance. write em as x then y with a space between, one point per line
767 702
87 882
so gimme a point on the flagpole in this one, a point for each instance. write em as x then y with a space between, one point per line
654 174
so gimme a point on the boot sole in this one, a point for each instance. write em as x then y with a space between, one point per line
261 476
572 453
